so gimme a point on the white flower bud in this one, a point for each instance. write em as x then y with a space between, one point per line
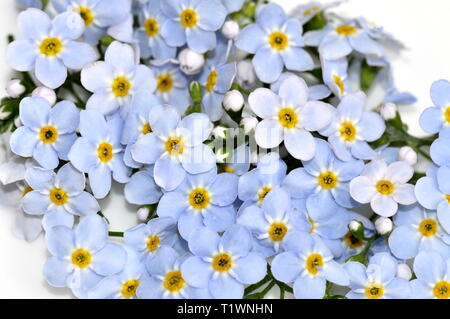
355 225
388 111
18 122
191 62
142 214
230 29
403 271
15 88
45 93
233 100
245 75
249 124
383 225
220 132
408 155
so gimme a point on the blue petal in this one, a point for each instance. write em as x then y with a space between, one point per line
276 203
237 240
200 40
196 272
226 287
21 55
209 21
120 56
440 151
268 65
297 59
46 156
34 112
224 189
428 193
23 141
50 71
204 242
357 274
83 205
91 73
198 159
57 217
334 273
109 260
172 204
100 180
65 116
309 287
68 25
82 155
142 189
220 218
286 267
430 267
250 39
431 120
250 269
440 93
91 233
404 242
335 48
56 272
363 43
372 126
173 33
34 24
76 55
60 241
168 173
198 128
271 16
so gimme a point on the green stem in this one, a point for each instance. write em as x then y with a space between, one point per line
258 285
115 234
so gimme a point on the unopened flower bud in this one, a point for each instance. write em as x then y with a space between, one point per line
403 271
15 88
245 75
45 93
142 214
220 132
233 101
357 229
383 225
230 29
408 155
249 124
388 111
191 62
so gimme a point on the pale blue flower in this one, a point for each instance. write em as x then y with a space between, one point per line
417 230
440 149
224 264
49 47
306 12
335 75
82 257
323 182
378 280
97 15
116 80
351 129
98 151
201 200
384 187
58 196
47 133
289 117
316 92
437 118
276 42
176 146
309 264
192 22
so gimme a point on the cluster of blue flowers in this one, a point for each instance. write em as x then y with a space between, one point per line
245 138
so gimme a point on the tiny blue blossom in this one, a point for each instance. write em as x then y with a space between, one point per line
437 118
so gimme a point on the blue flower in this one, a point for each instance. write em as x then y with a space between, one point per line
152 44
309 264
289 117
323 182
352 128
147 239
142 189
217 80
201 200
47 133
97 15
224 264
271 223
335 76
82 257
417 230
116 80
384 187
58 196
433 192
308 11
192 22
165 279
338 41
176 146
49 47
29 4
432 273
316 92
440 149
378 280
98 151
124 284
437 118
276 42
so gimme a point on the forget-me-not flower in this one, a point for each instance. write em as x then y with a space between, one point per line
437 118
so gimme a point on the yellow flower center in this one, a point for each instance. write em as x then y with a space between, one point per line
152 243
447 115
129 288
146 129
327 180
442 290
199 198
121 86
165 83
313 263
86 14
346 30
310 11
348 131
428 227
447 197
151 27
287 117
385 187
48 134
263 193
188 18
50 46
339 83
211 81
278 40
58 196
26 191
105 152
374 291
313 225
222 262
174 281
81 258
175 145
352 242
225 168
277 231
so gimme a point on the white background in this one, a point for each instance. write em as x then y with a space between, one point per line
422 26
